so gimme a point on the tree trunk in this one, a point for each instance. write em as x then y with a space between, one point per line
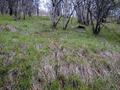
96 30
11 11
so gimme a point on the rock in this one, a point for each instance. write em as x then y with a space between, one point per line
39 46
1 29
80 28
8 28
106 54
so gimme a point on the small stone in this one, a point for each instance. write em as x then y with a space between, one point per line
39 46
106 54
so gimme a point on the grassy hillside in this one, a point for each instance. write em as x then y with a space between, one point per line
35 56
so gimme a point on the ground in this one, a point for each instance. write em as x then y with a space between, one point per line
36 57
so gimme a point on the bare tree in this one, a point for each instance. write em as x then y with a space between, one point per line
99 10
55 12
19 8
82 11
3 6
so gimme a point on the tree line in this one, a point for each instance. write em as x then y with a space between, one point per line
87 12
19 8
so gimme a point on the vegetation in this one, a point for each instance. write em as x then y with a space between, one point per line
23 52
59 44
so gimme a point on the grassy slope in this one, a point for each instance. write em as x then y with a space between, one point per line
22 46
